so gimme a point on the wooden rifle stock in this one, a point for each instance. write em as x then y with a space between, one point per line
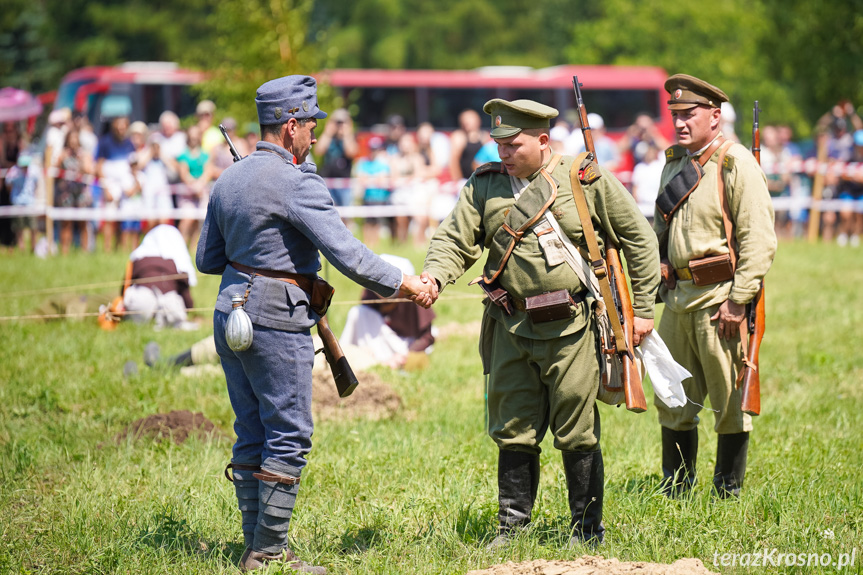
749 380
343 375
632 386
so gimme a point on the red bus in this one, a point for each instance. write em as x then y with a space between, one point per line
617 93
143 89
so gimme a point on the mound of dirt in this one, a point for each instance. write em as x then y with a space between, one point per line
176 425
598 565
373 399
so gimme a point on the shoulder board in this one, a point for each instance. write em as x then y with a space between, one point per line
675 152
490 168
728 162
589 172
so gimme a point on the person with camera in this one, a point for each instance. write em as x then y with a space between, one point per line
337 147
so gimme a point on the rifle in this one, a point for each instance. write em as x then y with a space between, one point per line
343 375
632 388
234 152
748 379
582 116
625 317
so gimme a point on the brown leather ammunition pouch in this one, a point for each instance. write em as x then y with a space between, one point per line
549 306
711 270
321 296
498 296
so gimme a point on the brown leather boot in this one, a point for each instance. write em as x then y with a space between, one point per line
253 560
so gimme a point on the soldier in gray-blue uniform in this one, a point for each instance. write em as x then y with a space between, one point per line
268 219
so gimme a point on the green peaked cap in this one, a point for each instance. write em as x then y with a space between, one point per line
510 118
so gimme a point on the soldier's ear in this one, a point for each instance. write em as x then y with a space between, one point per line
544 140
715 117
291 126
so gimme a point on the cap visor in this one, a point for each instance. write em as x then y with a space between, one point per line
504 132
682 106
320 115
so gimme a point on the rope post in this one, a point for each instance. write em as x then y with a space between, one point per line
817 190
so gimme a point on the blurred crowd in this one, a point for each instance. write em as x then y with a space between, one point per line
406 178
138 174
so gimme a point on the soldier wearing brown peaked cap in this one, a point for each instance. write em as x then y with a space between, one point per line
714 221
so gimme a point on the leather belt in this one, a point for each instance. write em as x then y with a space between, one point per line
299 280
265 475
683 274
519 303
241 467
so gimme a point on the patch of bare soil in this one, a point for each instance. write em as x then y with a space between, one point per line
588 565
372 399
176 425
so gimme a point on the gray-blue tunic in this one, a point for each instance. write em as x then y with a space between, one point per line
267 213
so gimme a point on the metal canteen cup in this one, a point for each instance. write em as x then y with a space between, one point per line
238 329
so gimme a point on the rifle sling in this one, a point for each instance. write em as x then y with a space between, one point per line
728 225
534 201
596 260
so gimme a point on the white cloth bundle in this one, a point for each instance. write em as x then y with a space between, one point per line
666 375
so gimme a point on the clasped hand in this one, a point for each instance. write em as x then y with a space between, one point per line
422 290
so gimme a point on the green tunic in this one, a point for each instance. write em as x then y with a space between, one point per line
696 231
564 383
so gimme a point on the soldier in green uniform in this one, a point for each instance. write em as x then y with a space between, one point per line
704 312
544 369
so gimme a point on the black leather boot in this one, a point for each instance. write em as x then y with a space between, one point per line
731 450
517 482
679 455
585 481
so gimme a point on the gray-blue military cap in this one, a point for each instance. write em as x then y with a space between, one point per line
289 97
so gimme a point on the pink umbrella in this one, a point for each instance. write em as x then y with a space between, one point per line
17 105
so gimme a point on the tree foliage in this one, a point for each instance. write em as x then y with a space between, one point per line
251 42
796 57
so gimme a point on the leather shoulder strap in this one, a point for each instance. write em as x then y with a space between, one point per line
727 221
518 222
678 190
597 263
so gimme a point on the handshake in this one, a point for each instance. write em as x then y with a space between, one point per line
423 289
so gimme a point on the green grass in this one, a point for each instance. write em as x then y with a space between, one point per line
415 494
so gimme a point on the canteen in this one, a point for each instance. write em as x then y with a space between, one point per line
238 329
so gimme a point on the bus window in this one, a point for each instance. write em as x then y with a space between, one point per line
154 103
376 105
445 104
619 108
